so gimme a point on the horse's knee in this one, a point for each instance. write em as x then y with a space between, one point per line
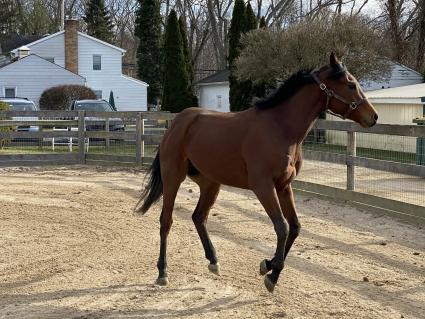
295 228
281 227
197 220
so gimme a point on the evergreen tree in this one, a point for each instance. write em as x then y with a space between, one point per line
177 95
263 23
251 19
188 59
149 55
112 101
237 26
9 16
243 20
99 24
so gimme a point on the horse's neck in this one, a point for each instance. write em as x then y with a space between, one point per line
297 115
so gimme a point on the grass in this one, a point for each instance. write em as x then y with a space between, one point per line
116 148
394 156
129 149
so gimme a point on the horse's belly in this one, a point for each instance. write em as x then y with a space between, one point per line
221 169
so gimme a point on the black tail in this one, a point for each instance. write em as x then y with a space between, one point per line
153 190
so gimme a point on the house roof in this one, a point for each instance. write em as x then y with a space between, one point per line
16 41
61 32
409 94
219 77
134 80
38 57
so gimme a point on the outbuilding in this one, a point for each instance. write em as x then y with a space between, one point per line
213 91
399 106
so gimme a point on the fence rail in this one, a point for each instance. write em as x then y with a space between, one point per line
142 132
73 126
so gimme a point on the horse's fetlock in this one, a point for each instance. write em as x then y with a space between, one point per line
277 264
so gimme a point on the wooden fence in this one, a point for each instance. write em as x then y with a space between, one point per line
79 120
351 160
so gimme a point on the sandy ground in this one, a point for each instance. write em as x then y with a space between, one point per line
70 247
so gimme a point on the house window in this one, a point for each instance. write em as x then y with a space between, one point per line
219 101
10 92
97 62
98 94
50 59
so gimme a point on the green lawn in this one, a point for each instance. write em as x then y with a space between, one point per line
394 156
129 149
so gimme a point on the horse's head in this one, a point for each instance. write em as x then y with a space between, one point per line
345 97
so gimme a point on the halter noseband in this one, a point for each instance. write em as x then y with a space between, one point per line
351 106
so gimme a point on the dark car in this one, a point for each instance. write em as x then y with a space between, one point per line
97 123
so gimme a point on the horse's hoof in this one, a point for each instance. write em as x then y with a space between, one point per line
269 284
162 281
263 268
214 268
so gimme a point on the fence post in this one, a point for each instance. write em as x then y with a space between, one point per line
107 143
81 138
139 132
40 140
351 152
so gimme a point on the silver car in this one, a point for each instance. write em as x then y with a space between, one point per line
22 104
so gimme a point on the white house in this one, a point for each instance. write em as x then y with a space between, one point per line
100 63
213 91
30 75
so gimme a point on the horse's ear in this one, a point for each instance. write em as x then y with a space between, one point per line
333 60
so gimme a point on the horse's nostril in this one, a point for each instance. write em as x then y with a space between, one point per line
375 117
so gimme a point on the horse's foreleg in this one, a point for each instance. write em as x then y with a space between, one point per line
209 192
287 204
266 194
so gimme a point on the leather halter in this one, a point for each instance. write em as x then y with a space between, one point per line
351 106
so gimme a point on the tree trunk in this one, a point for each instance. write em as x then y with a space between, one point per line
421 36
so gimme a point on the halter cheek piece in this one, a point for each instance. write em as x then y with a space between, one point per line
351 106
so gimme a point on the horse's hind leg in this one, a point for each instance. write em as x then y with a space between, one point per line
209 191
173 176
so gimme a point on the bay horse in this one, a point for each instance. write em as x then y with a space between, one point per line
257 149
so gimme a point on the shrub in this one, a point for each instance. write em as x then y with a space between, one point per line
3 141
60 97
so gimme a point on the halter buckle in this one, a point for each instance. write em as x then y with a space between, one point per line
353 105
322 86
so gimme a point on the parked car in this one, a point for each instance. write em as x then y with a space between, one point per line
22 104
115 124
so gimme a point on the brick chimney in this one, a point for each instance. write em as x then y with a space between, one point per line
71 45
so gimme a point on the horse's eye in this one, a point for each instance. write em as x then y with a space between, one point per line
352 86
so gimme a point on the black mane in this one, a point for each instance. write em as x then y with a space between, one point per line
292 85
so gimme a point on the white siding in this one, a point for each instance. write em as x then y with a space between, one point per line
215 97
401 114
400 76
32 75
111 60
129 94
51 48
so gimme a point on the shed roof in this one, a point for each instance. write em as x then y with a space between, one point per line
409 94
219 77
